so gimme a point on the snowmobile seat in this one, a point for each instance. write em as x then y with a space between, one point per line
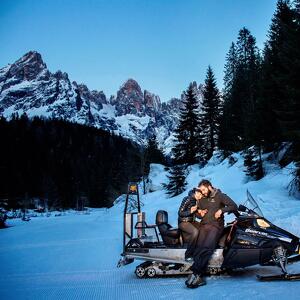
170 236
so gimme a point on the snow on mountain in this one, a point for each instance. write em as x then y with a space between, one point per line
28 86
74 256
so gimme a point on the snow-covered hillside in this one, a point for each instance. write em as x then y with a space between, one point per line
271 192
75 256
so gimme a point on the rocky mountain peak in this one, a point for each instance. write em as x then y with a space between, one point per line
173 105
32 57
59 75
131 86
28 67
152 103
98 98
130 99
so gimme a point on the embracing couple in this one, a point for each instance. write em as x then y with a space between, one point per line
208 204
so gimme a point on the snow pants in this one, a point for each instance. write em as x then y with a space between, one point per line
209 235
190 231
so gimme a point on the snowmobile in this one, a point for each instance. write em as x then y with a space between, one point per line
249 240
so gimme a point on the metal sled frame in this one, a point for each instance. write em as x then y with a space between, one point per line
128 219
134 225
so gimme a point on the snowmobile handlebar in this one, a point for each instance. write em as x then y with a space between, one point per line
236 213
243 208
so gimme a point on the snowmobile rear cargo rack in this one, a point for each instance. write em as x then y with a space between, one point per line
140 225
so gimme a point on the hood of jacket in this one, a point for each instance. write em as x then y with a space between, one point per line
192 192
214 193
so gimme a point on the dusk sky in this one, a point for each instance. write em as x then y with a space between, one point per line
163 45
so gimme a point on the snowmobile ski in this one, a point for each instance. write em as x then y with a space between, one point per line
287 277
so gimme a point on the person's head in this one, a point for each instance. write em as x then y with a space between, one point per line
198 195
205 187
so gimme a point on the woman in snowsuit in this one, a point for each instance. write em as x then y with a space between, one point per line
187 213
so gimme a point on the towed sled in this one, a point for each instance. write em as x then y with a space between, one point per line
249 240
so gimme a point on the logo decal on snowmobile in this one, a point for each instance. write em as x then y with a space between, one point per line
256 232
268 235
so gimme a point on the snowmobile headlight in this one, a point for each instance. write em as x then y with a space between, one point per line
262 223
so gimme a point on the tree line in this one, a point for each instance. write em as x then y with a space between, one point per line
256 112
64 163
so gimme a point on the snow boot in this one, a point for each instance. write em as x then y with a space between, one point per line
194 281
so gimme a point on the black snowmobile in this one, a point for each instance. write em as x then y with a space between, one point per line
249 240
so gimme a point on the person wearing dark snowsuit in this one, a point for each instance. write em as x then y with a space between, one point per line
211 227
187 223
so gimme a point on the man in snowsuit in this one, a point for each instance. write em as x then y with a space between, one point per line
187 213
211 227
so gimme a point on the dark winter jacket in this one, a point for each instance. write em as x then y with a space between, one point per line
217 200
184 212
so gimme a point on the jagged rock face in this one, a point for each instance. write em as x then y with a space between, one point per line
97 98
29 67
28 86
129 99
173 105
152 104
150 116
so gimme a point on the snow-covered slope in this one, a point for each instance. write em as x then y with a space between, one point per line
28 86
271 192
75 256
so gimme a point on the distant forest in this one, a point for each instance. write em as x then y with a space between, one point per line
63 163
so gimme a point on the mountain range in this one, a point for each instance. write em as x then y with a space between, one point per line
27 86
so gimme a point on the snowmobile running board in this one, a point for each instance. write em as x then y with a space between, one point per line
159 255
286 277
158 259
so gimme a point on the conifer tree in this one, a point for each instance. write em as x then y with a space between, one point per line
280 82
187 142
153 153
187 133
247 85
230 70
296 98
210 117
238 122
150 154
226 132
177 182
253 163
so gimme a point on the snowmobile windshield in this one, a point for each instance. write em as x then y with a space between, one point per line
252 205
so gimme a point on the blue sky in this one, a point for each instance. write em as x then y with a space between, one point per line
163 44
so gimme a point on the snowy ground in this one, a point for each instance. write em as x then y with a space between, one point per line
75 256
